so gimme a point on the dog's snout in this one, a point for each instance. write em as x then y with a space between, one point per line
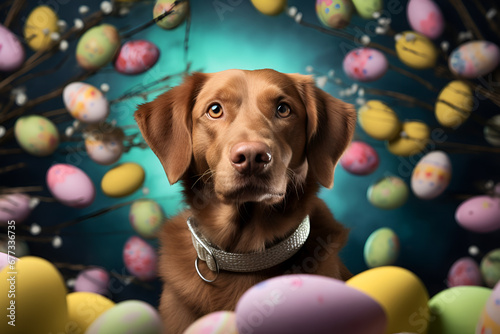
250 157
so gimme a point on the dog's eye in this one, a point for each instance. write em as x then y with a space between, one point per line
283 110
215 110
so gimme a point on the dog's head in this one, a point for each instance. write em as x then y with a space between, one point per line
249 134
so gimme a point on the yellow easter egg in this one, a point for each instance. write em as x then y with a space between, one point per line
269 7
34 295
416 51
41 22
454 104
123 180
412 139
379 120
83 309
401 294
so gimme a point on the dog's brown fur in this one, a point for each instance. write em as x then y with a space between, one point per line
242 213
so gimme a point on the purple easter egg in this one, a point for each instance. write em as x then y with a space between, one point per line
365 64
479 214
94 280
464 271
70 185
11 51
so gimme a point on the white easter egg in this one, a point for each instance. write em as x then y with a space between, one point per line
431 176
85 102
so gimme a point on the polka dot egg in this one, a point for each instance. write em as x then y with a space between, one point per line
365 64
104 145
97 47
146 217
389 193
140 259
85 102
360 159
334 13
37 135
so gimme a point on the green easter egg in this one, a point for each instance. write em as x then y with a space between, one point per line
37 135
490 268
388 193
381 248
366 8
97 47
172 20
334 14
146 217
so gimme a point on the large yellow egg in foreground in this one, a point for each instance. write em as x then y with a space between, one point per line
123 180
416 51
37 298
41 22
379 120
454 104
401 294
412 140
83 309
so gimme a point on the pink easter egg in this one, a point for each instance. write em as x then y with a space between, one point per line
94 280
365 64
136 57
14 207
425 17
479 214
70 185
6 259
464 271
11 51
140 259
474 59
222 322
360 159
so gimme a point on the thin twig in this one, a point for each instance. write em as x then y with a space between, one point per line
415 77
466 18
13 12
12 167
400 96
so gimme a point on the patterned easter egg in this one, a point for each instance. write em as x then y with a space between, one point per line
480 214
136 57
365 64
298 304
389 193
378 120
146 217
360 159
97 47
454 104
83 309
490 268
431 176
14 207
131 316
474 59
425 17
222 322
70 185
123 180
412 139
11 51
171 21
415 50
489 321
269 7
40 24
334 13
37 135
464 271
85 102
366 8
95 280
140 259
104 144
381 248
492 131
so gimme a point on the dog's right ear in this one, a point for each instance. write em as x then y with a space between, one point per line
166 125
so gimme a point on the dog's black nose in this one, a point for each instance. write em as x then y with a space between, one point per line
250 157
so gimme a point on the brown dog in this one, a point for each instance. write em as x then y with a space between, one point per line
252 149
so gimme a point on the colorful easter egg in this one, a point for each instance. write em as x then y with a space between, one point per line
11 51
489 321
415 50
454 104
171 21
14 207
222 322
474 59
85 102
464 271
325 303
269 7
146 217
457 310
365 64
490 267
492 131
37 135
400 293
136 57
425 17
366 8
97 47
40 298
40 24
479 214
334 13
83 309
140 259
412 139
70 185
123 180
104 145
131 316
378 120
389 193
360 159
95 280
381 248
431 176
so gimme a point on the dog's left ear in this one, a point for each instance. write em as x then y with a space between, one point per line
330 127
